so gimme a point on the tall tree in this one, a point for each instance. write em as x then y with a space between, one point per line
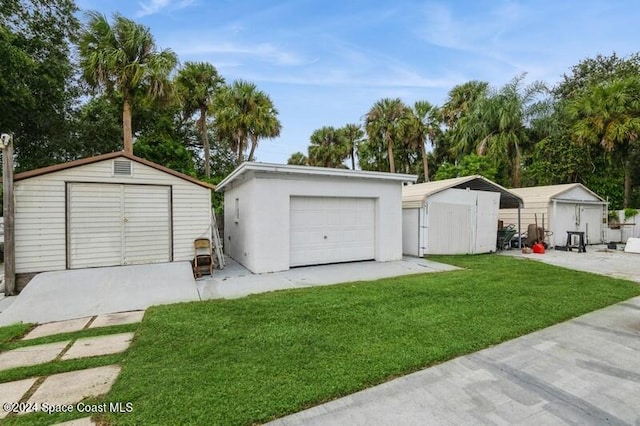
424 127
328 148
609 114
461 99
353 135
37 89
298 159
245 114
387 119
196 84
497 125
123 56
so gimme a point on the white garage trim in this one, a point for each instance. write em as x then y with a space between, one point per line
331 229
118 224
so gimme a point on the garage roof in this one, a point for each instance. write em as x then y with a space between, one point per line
548 193
413 196
111 155
246 167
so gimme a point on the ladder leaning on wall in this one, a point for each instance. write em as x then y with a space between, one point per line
217 241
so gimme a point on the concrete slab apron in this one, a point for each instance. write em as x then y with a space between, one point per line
96 346
31 355
584 371
55 296
74 386
12 392
235 281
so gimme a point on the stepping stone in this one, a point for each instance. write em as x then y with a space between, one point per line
57 327
31 355
117 319
74 386
13 391
101 345
85 421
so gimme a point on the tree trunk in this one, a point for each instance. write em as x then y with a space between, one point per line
515 177
353 159
392 161
240 150
425 161
628 170
254 144
202 123
126 125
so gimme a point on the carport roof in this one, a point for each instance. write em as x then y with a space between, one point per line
309 171
414 195
554 192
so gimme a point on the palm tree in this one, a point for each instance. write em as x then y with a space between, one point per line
196 84
425 127
244 113
353 134
460 100
328 148
124 57
609 114
498 125
298 159
387 119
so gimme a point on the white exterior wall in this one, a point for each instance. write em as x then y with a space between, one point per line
411 232
40 204
260 240
462 222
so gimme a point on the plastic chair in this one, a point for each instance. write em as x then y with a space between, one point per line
203 257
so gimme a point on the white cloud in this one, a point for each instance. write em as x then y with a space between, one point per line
263 51
151 7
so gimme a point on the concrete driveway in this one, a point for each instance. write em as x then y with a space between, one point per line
582 372
62 295
598 260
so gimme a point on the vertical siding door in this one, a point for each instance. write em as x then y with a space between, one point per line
147 224
330 230
113 224
450 228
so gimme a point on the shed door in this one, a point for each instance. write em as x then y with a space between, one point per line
113 224
450 228
330 230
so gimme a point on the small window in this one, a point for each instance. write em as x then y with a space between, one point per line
236 218
122 168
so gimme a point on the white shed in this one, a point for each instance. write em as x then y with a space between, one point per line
280 216
567 207
453 216
112 209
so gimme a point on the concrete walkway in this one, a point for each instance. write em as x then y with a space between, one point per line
70 387
236 281
585 371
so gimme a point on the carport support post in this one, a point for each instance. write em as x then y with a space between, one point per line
519 228
7 212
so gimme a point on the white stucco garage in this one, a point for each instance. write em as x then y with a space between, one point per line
453 216
566 207
109 210
281 216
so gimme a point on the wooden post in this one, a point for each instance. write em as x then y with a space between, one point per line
7 211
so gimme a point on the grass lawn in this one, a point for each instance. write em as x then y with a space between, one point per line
258 358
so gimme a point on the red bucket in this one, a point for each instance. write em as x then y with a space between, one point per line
538 248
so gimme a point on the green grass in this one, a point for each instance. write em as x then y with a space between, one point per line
258 358
12 332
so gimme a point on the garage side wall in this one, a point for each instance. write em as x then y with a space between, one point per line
270 207
239 219
40 204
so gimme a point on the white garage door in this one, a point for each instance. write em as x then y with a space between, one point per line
112 224
329 230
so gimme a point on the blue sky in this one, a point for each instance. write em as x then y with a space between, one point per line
327 62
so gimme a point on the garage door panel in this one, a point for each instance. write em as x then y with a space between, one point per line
116 224
331 229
